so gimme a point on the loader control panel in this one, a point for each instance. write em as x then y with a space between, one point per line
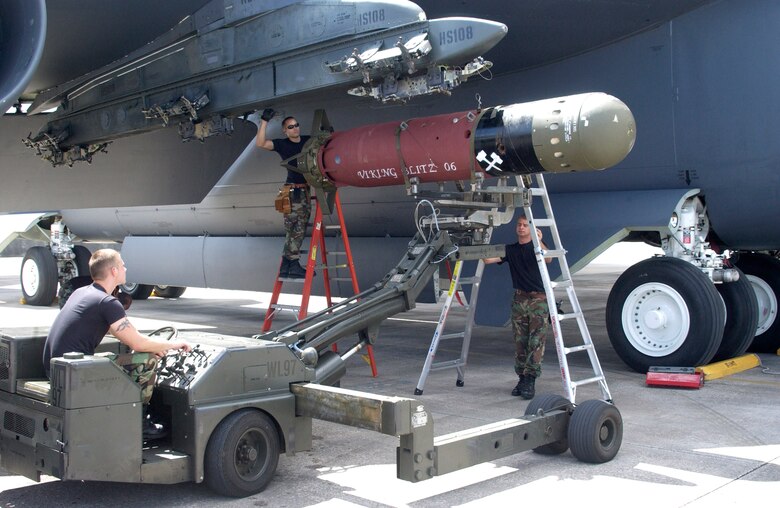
178 370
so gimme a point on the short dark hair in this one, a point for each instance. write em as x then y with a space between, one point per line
101 262
287 118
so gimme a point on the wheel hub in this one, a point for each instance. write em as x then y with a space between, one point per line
767 303
656 319
30 277
250 453
247 454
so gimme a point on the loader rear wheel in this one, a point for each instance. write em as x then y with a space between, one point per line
242 454
549 402
595 431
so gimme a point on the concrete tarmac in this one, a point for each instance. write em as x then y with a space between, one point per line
709 447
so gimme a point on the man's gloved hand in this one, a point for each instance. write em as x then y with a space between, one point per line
268 113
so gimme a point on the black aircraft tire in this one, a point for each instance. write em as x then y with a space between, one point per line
137 291
39 277
595 431
664 311
766 270
82 259
242 454
741 317
549 402
169 291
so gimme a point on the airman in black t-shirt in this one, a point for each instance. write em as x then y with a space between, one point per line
530 313
296 220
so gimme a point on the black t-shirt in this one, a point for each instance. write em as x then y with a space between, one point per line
523 267
82 323
286 149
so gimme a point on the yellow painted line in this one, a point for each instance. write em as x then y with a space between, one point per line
728 367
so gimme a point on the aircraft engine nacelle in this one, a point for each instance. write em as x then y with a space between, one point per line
583 132
22 36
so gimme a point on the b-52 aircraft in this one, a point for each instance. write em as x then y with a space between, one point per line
701 182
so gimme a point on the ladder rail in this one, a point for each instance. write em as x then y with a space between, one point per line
470 304
569 386
347 247
437 334
470 313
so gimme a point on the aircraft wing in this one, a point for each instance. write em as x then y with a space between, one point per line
79 36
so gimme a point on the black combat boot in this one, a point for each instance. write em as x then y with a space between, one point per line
150 430
516 390
527 390
295 270
284 268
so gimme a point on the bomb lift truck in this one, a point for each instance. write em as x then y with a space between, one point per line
233 404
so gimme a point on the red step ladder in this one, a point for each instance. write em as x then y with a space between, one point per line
317 245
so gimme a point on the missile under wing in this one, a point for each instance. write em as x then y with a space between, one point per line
231 57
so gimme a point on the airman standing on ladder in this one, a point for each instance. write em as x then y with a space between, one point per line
530 312
294 198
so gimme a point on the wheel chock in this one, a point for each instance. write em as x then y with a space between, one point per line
728 367
675 377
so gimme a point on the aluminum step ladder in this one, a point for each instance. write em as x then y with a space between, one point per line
455 291
557 252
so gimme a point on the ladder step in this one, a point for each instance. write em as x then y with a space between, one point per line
280 306
332 226
555 253
575 349
537 191
464 281
456 335
572 315
447 365
296 281
332 267
341 279
543 222
561 283
336 253
595 379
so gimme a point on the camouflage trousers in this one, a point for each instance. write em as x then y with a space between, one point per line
141 369
295 222
530 322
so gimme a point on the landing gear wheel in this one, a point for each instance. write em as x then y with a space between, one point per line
82 259
666 312
169 291
548 402
39 277
763 272
741 317
137 291
242 454
595 431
